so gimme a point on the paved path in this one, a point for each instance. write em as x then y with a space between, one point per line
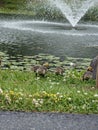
47 121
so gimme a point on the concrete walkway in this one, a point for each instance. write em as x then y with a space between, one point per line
47 121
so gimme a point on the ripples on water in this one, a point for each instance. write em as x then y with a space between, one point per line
34 37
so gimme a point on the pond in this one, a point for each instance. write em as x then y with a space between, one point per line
31 37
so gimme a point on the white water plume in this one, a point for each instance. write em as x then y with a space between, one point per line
73 10
45 27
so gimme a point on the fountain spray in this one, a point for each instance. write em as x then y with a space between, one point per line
73 10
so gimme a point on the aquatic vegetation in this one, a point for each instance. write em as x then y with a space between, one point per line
20 62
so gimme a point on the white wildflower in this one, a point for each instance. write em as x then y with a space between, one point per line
85 93
78 91
52 83
20 98
34 101
37 78
44 92
30 96
69 99
51 86
41 101
84 106
8 99
37 104
71 64
61 96
58 83
57 93
64 79
1 91
17 101
96 95
93 101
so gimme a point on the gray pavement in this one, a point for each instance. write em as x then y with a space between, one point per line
47 121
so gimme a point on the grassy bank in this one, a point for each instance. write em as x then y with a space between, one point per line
21 90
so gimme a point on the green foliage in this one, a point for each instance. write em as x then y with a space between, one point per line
24 91
13 4
92 14
41 9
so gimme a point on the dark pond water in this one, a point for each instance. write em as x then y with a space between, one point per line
29 37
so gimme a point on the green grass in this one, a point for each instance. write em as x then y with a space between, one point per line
15 7
21 90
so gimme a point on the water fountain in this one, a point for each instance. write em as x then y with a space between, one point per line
73 10
29 37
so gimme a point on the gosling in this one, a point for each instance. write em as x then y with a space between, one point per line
87 75
41 71
34 68
59 71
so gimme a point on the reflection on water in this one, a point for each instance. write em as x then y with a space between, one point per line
31 38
